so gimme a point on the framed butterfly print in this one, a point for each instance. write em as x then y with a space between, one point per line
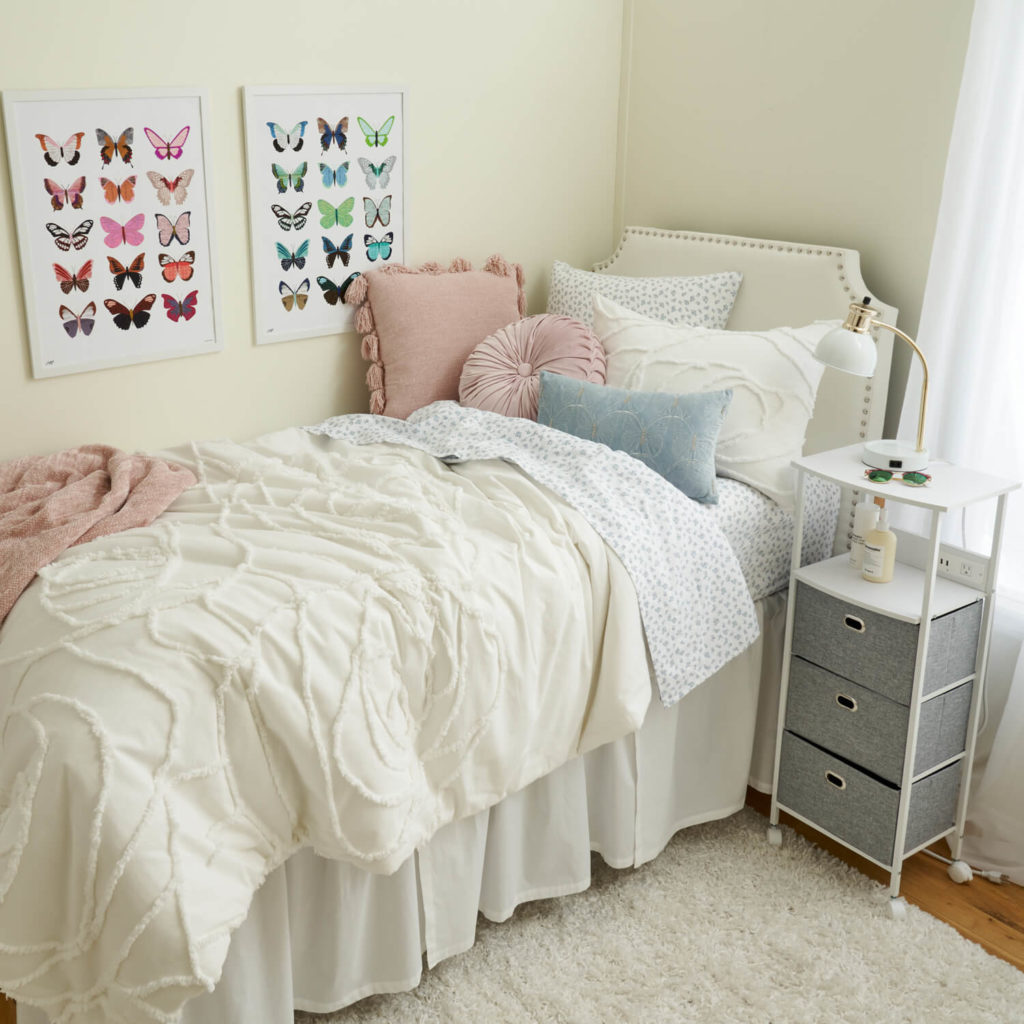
326 171
115 227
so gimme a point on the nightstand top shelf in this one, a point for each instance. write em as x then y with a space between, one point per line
901 598
950 487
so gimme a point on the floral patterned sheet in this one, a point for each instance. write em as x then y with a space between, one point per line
694 601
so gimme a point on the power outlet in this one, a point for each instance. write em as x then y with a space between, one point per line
963 568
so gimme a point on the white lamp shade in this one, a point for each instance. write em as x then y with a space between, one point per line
847 351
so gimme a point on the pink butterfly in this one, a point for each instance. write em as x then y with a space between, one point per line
168 150
71 196
180 229
126 234
184 310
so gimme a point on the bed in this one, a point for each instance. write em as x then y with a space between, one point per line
320 932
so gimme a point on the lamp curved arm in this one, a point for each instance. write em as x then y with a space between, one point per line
924 384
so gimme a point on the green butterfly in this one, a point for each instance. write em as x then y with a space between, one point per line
331 215
378 136
284 179
378 247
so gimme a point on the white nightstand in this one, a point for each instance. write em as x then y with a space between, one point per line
881 682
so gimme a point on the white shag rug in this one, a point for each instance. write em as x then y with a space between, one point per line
720 929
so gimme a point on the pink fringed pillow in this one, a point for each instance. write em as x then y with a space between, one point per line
418 326
502 374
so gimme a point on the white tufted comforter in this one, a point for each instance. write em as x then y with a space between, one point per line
321 644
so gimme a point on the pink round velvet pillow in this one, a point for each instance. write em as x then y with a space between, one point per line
502 374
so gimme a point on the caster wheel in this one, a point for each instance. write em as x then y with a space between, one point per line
774 835
960 872
898 908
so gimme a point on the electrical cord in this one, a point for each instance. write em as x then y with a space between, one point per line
996 877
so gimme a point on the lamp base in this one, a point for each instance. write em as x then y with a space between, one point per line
896 455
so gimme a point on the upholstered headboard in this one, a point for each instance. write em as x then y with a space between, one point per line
784 284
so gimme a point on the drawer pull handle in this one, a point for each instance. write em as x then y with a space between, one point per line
835 780
846 702
852 622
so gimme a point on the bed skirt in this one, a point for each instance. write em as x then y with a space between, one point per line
322 934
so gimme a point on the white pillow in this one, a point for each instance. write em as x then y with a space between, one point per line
773 375
706 300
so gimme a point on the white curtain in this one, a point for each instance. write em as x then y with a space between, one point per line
972 331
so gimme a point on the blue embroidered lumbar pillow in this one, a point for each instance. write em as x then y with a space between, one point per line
673 434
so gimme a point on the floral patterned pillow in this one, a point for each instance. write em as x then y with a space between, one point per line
704 301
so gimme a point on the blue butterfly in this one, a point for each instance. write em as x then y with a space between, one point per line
341 252
287 140
335 293
293 259
335 134
334 177
286 179
381 247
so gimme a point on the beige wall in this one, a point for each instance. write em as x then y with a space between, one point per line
512 148
805 120
811 120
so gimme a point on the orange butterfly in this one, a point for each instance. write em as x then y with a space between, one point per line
132 273
122 147
177 268
112 192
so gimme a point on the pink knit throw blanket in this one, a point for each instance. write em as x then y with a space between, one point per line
50 502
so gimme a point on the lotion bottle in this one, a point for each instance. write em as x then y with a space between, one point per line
880 549
865 518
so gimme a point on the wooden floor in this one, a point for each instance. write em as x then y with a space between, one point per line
989 914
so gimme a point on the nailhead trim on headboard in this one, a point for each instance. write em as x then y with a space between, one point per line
782 247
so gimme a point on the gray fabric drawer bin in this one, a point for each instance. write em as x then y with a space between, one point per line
870 730
858 808
878 651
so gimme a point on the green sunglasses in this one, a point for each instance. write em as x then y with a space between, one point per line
883 476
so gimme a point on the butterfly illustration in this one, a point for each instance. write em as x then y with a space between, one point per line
73 323
183 310
331 177
54 153
378 137
171 189
375 214
295 298
377 175
129 233
131 273
112 192
76 239
333 293
336 134
331 215
294 179
69 281
125 317
286 221
167 150
287 140
341 252
61 197
122 147
177 268
375 247
179 231
293 259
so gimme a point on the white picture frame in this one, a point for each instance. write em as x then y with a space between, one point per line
301 266
70 271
